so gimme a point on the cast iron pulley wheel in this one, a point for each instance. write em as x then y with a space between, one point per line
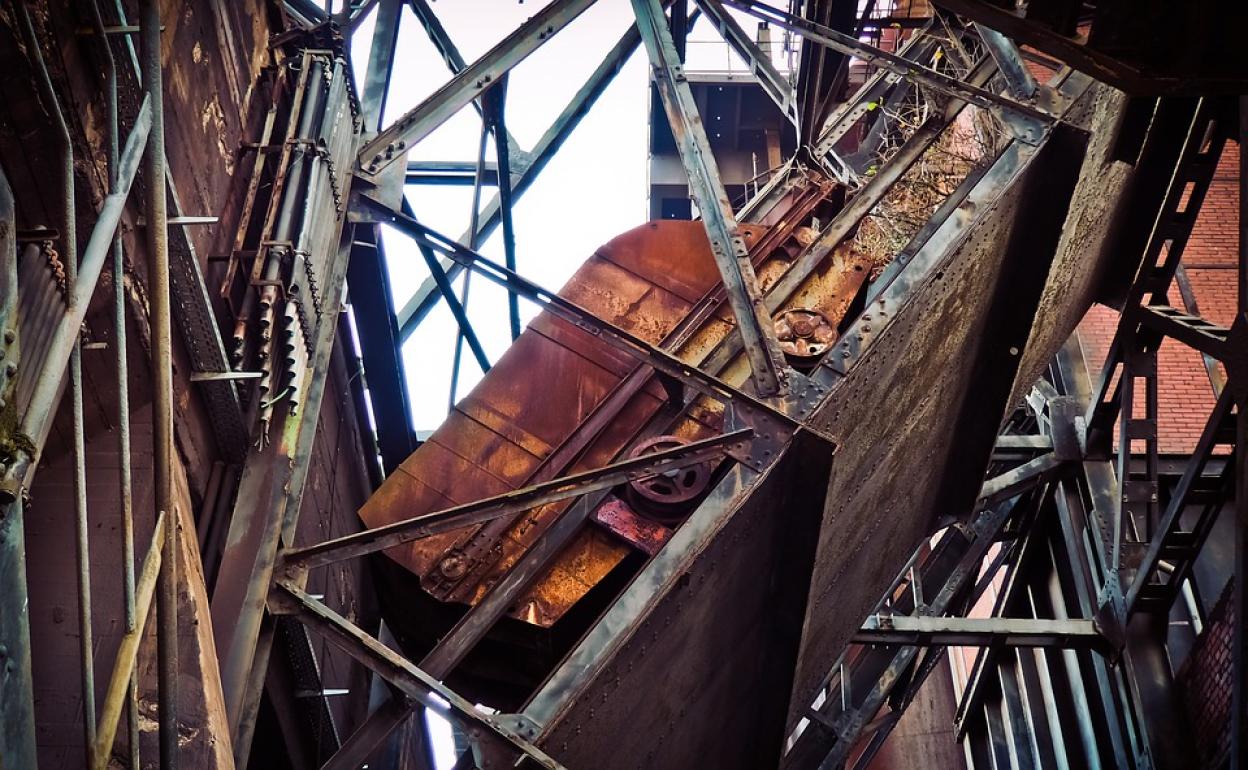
804 334
665 497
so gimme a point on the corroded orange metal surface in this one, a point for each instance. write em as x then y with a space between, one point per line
549 381
502 436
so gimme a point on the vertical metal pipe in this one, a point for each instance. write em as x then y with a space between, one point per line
162 386
69 236
17 706
125 495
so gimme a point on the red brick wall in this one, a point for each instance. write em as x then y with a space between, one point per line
1205 685
1210 259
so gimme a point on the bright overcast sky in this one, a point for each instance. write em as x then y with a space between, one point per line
593 189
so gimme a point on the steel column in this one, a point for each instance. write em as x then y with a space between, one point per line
17 718
17 688
125 495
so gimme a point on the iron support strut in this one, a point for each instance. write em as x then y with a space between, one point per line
162 388
289 598
979 632
769 369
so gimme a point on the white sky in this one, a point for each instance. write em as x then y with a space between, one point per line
593 189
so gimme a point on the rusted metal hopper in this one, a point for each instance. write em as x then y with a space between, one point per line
559 401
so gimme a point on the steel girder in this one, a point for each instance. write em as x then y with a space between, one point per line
767 363
775 85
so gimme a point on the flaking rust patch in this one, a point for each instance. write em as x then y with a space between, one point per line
213 114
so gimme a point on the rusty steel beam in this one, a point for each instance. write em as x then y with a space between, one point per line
381 538
1034 119
162 386
769 368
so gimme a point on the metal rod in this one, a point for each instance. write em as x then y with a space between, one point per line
37 419
119 691
498 99
17 718
69 241
162 387
125 495
464 325
390 535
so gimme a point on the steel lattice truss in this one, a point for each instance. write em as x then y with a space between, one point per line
952 137
907 110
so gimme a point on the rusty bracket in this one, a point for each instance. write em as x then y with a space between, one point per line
771 434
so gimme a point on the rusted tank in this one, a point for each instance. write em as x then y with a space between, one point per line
561 401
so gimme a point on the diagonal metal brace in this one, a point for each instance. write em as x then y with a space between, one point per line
762 348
